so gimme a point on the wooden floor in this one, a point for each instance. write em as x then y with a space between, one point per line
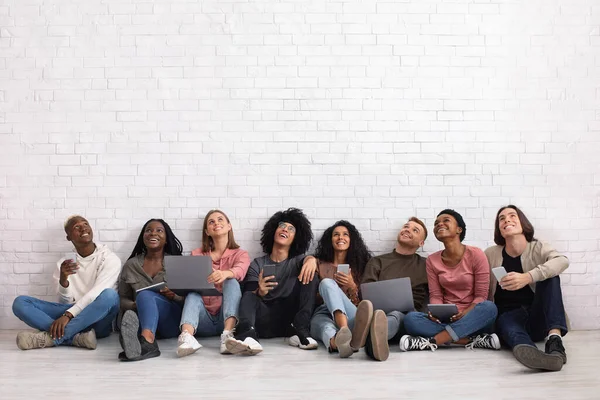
284 372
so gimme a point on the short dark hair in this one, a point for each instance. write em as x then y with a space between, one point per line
459 220
418 221
303 236
527 227
172 246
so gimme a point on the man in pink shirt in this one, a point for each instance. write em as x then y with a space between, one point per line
458 275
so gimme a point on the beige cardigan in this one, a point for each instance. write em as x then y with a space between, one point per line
539 259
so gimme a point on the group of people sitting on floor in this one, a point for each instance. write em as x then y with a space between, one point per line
310 299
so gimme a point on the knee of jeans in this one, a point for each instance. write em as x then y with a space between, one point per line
548 283
110 296
326 285
231 283
489 307
411 318
194 297
145 295
18 304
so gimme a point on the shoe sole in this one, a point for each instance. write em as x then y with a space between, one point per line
309 346
130 325
342 342
379 342
186 351
533 358
362 324
146 356
237 347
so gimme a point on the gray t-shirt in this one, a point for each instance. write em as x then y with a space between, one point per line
286 275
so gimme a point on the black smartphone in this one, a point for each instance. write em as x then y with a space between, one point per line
270 270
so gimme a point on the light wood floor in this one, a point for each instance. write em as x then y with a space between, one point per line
284 372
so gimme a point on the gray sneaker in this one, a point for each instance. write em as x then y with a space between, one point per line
85 340
27 340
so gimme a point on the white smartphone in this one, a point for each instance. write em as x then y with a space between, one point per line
499 273
71 256
345 268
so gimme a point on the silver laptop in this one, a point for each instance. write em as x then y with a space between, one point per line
389 295
187 274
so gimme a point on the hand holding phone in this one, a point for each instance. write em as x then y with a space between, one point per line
499 273
345 268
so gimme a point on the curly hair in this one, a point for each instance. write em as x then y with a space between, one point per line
172 246
292 216
358 254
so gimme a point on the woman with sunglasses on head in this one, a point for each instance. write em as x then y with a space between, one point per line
459 275
147 311
214 315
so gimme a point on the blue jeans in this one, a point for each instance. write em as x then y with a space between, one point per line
322 324
204 323
98 315
478 320
526 325
158 314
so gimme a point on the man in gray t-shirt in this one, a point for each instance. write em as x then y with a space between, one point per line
279 290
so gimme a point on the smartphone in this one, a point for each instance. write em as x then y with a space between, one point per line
443 312
499 273
345 268
270 270
71 256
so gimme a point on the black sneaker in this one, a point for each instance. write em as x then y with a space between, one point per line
297 337
532 357
149 350
554 345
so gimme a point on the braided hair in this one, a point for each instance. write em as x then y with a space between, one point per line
172 246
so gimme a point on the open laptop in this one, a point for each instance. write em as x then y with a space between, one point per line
389 295
187 274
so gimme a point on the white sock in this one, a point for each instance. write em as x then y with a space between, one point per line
553 334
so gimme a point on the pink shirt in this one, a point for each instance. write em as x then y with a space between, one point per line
237 261
464 284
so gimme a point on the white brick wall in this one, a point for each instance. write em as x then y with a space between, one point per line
372 111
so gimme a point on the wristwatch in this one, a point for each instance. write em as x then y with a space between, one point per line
67 315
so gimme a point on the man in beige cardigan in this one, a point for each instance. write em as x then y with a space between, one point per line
529 297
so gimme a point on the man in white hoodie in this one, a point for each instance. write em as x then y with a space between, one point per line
88 301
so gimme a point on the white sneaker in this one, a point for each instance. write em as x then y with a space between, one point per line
224 336
295 341
248 346
187 344
408 343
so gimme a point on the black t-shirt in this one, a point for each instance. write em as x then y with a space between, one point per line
509 300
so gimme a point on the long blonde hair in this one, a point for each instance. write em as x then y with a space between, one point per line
208 243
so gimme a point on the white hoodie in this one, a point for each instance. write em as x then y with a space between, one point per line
98 271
